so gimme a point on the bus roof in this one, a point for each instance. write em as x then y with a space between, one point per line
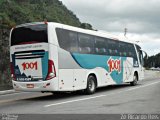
99 33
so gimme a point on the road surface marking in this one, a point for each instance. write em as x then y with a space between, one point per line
88 98
75 100
143 86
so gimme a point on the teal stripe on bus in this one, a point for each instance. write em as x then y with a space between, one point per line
91 61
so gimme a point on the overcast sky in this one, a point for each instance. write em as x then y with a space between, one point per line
140 17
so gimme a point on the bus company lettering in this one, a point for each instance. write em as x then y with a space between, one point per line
30 65
114 65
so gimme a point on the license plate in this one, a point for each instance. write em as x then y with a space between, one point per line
30 85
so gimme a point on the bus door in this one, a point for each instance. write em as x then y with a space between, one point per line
141 62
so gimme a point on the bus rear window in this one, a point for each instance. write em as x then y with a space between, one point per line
29 34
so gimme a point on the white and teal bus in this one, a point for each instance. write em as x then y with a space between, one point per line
53 57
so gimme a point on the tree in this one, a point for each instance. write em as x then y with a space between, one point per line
86 26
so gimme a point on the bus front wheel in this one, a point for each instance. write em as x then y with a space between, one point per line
135 80
91 85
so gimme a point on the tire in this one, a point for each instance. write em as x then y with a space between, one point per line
91 85
135 80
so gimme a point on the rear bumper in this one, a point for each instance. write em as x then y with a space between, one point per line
49 85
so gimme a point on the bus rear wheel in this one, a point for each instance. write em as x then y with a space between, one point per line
91 85
135 80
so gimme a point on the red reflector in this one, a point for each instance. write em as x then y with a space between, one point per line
12 71
48 84
45 22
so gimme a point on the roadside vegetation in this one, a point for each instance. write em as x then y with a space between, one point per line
15 12
152 62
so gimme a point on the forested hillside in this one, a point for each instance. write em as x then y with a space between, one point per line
152 61
14 12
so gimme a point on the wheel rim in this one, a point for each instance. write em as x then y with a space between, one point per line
91 85
135 80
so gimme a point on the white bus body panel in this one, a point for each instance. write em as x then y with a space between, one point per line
70 76
40 85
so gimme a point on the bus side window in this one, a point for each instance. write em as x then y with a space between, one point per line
110 48
110 51
67 40
73 41
123 49
113 47
86 43
100 46
63 38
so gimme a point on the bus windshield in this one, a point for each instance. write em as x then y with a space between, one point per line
29 34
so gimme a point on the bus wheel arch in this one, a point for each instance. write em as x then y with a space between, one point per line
135 79
91 84
94 75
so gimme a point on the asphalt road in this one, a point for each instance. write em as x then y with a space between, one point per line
143 98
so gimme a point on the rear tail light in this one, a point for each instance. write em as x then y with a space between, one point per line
12 71
45 22
51 70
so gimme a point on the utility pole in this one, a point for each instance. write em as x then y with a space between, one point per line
125 31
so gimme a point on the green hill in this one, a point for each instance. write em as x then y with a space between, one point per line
152 61
15 12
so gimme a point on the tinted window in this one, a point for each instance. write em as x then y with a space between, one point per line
123 49
140 55
128 50
100 46
29 34
67 40
131 51
86 43
113 47
73 41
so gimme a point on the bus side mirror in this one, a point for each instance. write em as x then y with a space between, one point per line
145 54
